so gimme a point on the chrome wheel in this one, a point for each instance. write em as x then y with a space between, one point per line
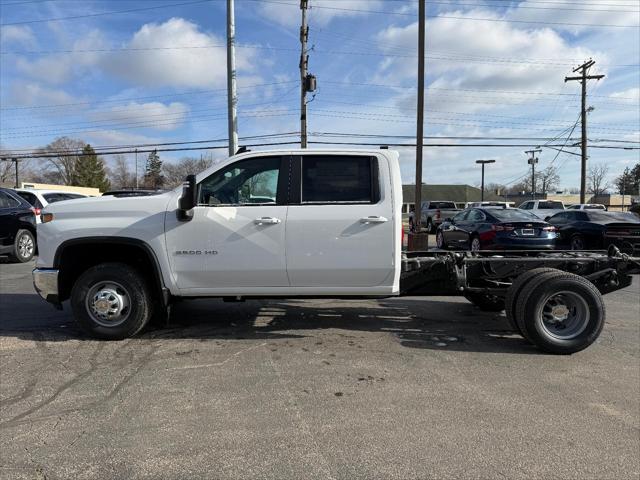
26 245
564 315
439 240
475 244
108 304
577 243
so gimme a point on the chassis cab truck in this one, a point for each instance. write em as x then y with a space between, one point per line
298 223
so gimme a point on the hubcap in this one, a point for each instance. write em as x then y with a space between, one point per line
25 246
439 240
108 304
475 245
564 315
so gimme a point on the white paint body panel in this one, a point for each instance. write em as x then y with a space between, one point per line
317 250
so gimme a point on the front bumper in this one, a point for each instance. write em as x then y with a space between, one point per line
45 281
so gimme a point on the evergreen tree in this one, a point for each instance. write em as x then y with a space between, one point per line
90 171
153 177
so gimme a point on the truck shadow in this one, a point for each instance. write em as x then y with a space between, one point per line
434 324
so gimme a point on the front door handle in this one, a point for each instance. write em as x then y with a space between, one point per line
267 221
373 219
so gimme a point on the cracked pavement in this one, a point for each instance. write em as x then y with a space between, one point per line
398 388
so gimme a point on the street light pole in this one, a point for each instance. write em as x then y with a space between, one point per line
483 163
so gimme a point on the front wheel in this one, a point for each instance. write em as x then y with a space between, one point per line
111 301
24 247
440 243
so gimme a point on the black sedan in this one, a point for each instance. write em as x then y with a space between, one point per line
17 226
496 229
591 229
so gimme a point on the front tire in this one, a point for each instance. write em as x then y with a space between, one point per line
561 313
440 243
24 246
111 301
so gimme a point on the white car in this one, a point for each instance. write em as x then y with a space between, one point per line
543 208
41 198
587 206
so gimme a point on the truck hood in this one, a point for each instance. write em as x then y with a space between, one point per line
96 207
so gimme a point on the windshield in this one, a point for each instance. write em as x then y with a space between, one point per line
442 205
513 215
550 205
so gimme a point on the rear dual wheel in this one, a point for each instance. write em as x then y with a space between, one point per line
559 312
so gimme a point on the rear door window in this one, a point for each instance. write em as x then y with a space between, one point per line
338 179
7 201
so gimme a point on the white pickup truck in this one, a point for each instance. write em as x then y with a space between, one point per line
299 223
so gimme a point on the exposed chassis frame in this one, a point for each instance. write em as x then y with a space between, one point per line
493 272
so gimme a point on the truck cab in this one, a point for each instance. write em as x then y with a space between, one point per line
260 224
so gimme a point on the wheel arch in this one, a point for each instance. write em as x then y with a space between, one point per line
75 256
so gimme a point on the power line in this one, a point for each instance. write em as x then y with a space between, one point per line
100 14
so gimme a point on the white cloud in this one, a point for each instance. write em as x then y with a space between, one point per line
320 12
631 95
26 94
59 68
189 67
18 35
153 115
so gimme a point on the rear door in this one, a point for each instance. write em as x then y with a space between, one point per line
339 223
9 208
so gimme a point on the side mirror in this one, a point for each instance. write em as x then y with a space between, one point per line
189 199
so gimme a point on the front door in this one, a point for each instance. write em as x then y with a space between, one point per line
339 225
236 238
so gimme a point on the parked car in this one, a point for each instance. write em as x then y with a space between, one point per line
542 208
17 226
595 229
39 199
495 229
433 213
586 206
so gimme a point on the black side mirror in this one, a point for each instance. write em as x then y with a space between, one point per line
189 199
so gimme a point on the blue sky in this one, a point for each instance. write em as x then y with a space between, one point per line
156 72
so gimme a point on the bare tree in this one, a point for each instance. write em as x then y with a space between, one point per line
597 182
66 152
121 176
174 173
548 179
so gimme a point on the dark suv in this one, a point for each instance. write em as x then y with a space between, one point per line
17 227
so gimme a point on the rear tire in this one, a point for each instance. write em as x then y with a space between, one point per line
577 243
24 246
561 313
514 291
474 244
485 302
111 301
440 243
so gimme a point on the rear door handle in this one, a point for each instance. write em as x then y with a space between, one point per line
267 221
373 219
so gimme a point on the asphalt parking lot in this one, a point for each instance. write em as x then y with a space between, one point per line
401 388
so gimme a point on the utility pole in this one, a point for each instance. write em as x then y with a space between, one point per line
483 163
304 63
137 169
232 95
15 161
417 216
532 161
583 78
